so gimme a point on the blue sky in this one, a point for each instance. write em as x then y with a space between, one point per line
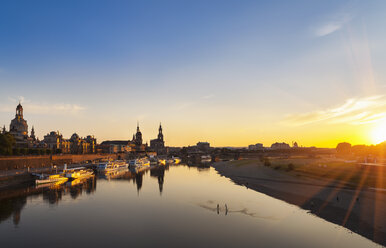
230 72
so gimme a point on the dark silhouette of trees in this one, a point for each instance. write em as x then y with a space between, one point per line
6 143
343 148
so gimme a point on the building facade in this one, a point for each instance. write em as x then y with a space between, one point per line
138 142
255 147
74 145
158 144
278 145
19 130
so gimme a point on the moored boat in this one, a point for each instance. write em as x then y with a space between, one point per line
79 172
139 164
206 159
177 160
111 166
46 178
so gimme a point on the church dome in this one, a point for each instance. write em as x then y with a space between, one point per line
75 136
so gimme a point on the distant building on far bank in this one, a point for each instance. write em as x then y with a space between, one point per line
116 146
158 144
19 130
74 145
256 147
278 145
137 140
203 146
53 140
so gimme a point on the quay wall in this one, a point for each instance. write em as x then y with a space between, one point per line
23 162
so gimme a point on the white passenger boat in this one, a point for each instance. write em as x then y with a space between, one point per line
110 166
46 178
79 172
206 159
139 164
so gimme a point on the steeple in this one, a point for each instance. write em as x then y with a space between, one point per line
4 129
19 111
138 136
33 133
160 135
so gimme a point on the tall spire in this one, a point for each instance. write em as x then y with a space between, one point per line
137 126
160 135
33 133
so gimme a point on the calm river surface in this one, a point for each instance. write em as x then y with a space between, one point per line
166 207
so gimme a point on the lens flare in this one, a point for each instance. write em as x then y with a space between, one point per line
378 134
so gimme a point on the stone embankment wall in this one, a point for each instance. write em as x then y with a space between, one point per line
22 162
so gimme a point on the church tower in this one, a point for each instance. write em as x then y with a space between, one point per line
160 135
33 133
138 136
19 112
19 127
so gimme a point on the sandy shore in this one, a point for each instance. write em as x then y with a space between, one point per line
358 209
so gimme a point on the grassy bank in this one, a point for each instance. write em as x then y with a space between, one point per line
326 168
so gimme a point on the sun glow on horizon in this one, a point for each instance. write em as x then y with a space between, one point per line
378 134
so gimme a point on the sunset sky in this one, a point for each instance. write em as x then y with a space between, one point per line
232 73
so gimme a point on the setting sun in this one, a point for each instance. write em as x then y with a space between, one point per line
378 134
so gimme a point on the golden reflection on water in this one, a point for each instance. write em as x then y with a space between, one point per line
169 206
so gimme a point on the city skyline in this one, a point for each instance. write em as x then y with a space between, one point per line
217 72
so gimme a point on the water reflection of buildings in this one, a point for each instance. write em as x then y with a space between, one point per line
159 173
54 193
12 207
137 178
13 200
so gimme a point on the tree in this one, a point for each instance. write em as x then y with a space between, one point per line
6 143
24 151
343 148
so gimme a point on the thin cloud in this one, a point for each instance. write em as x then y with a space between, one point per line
353 111
332 26
41 108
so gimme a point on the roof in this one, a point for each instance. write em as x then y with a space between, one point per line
115 142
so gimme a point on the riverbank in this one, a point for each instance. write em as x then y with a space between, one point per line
360 209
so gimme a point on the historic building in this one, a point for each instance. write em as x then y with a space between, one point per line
158 144
278 146
116 146
54 140
19 129
137 140
74 145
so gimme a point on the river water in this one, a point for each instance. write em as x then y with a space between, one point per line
176 206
